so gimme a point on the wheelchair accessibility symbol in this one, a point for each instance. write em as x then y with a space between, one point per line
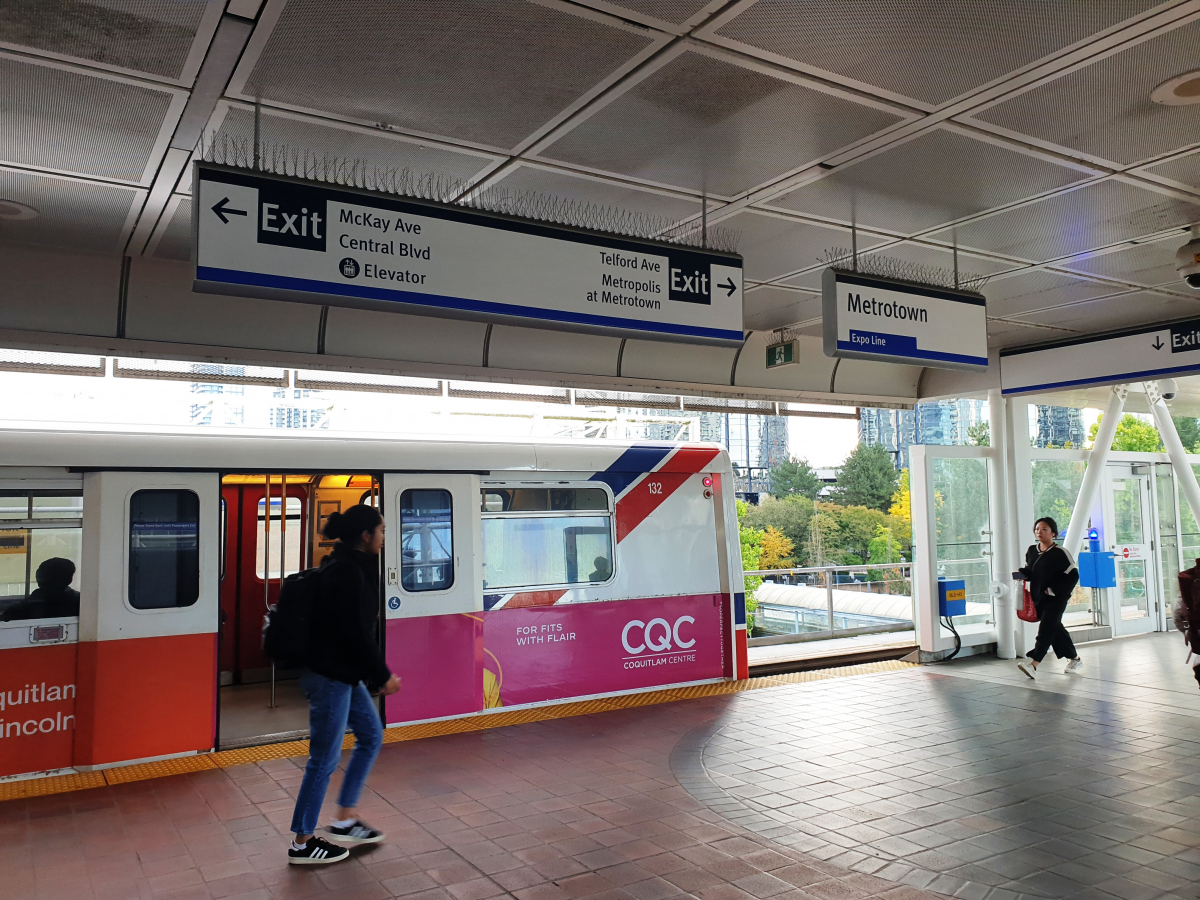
393 602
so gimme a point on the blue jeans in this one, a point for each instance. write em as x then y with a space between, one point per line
331 706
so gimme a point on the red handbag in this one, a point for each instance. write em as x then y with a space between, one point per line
1028 612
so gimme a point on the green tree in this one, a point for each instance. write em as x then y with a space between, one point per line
790 516
1132 434
868 478
979 435
795 476
751 542
1189 432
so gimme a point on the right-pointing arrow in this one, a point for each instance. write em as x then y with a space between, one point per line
729 286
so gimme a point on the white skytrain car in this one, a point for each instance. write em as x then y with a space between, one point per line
514 573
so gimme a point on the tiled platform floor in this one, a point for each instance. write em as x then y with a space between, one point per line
954 778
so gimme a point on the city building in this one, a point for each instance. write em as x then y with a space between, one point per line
945 422
1059 426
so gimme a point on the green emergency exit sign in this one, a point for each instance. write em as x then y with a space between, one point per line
781 354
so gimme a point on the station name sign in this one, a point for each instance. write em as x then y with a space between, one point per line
1153 351
866 317
286 239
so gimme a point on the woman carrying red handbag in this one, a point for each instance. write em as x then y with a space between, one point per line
1050 576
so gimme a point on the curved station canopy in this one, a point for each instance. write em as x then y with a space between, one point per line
1041 156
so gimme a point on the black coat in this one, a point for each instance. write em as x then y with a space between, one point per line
1054 569
345 643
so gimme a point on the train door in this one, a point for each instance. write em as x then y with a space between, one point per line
263 541
434 592
1136 596
41 533
147 667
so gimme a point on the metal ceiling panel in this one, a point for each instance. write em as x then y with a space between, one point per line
1149 264
1015 295
1075 221
152 36
374 334
929 50
765 308
674 11
72 214
707 125
1016 334
1105 109
1122 311
56 118
300 134
486 71
176 239
936 178
534 349
599 192
773 246
1184 170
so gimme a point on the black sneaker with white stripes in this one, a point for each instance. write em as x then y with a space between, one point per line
317 852
357 832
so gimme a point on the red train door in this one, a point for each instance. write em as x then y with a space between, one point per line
256 553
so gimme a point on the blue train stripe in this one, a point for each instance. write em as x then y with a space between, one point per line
632 465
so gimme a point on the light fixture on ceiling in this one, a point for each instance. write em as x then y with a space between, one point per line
12 211
1178 91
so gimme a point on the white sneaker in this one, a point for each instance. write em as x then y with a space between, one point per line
1074 665
1027 667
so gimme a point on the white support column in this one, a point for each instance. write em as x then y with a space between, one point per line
1184 473
1095 467
1010 631
1001 525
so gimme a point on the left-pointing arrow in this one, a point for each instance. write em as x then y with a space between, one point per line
223 211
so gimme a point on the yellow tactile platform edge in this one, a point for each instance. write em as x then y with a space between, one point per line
57 784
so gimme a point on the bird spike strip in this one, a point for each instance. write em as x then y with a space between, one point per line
882 266
224 759
281 159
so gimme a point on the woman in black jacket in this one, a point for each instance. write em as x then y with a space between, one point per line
1052 577
345 667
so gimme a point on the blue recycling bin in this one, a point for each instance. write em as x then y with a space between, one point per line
952 597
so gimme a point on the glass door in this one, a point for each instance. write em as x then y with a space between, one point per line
1136 595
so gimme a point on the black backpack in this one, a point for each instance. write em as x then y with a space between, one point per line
288 624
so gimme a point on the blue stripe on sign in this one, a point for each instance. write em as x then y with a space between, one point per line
739 609
882 344
632 465
437 301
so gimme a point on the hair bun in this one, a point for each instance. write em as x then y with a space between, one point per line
334 526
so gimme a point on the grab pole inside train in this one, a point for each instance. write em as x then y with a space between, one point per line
267 571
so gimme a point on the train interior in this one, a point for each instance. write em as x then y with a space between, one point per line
263 540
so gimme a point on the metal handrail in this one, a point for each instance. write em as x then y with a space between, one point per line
829 588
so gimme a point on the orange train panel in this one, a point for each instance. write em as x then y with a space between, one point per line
146 697
37 708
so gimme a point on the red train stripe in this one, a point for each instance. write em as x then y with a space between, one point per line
649 493
533 598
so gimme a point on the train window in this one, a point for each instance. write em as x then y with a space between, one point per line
293 553
543 499
164 549
40 543
426 540
544 536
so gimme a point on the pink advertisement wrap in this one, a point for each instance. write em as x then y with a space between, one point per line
457 664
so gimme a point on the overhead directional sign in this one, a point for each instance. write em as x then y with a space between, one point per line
866 317
281 238
1138 354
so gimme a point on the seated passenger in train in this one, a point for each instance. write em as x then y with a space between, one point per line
603 569
53 598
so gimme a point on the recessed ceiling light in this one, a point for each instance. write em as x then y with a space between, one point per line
12 211
1179 91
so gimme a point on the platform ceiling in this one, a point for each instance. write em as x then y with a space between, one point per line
1022 132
